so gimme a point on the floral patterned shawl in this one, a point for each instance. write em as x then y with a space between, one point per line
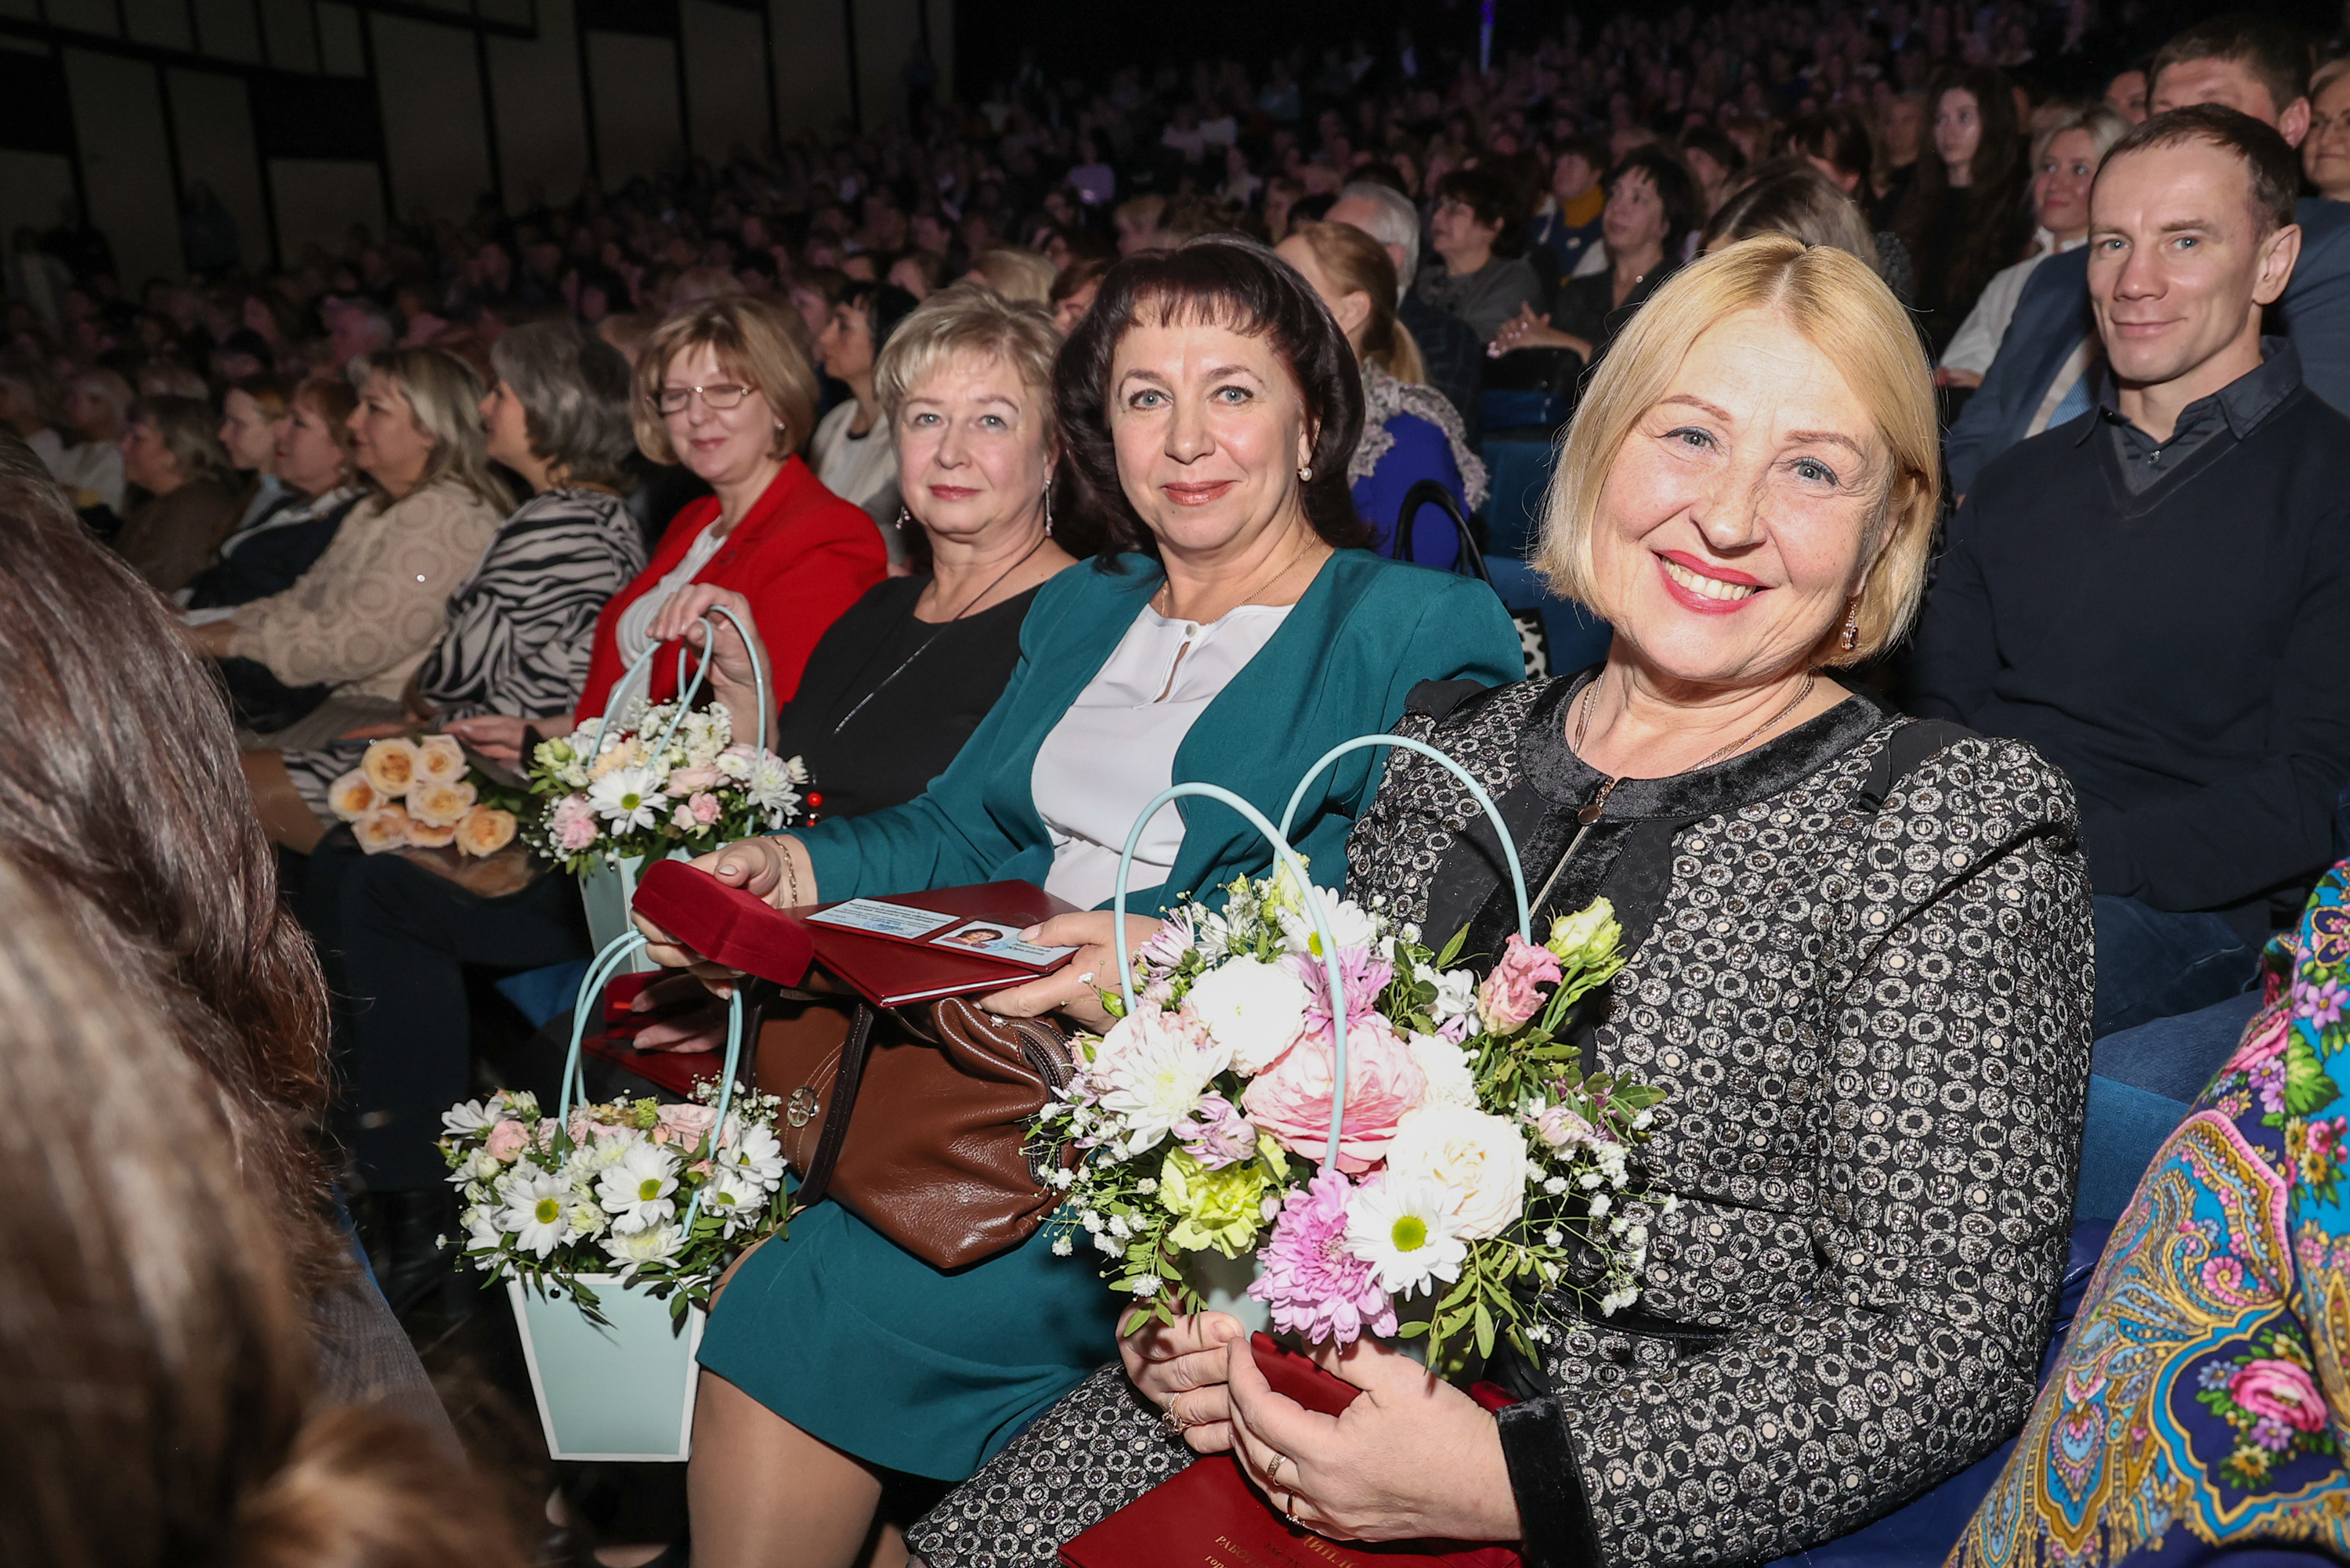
2202 1404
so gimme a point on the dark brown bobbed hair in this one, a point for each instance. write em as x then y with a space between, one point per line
121 794
156 1376
1228 282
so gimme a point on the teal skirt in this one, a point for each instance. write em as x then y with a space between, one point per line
858 1342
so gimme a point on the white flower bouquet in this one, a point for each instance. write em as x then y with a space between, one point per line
664 1196
422 794
1473 1160
664 777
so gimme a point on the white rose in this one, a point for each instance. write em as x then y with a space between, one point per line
1451 1077
1480 1159
1252 1008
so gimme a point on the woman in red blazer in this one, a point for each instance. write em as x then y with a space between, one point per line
726 390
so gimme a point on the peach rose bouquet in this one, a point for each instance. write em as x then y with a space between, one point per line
1475 1158
422 793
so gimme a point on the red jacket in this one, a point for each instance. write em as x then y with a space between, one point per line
801 556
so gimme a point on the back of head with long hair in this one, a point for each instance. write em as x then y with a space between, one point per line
155 1368
1357 263
1790 197
445 397
120 794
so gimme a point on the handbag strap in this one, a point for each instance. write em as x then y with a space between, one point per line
1471 562
852 1053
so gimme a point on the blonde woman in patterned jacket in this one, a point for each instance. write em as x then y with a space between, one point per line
1859 964
361 618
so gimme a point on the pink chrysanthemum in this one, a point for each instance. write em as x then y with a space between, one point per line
1312 1284
1362 972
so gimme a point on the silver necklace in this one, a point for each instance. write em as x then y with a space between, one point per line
922 646
1598 805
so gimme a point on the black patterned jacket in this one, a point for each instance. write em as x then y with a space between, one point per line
1874 1022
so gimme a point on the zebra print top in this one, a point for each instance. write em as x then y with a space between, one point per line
518 632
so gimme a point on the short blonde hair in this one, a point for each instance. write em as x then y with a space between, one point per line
755 339
1017 274
971 319
1848 314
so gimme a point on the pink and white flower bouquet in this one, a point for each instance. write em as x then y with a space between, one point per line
1475 1162
653 781
614 1192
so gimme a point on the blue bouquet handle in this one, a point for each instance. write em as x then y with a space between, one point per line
1500 828
1311 895
608 964
688 692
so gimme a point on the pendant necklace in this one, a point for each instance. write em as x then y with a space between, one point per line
922 646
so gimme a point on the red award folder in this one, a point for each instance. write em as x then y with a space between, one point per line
895 972
1209 1516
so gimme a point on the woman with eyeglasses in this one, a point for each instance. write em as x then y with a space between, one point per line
725 389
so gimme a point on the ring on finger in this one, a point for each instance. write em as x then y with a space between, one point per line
1174 1423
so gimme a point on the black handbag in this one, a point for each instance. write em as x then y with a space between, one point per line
1534 636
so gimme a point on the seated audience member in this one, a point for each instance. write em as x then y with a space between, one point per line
171 453
2064 159
2154 594
1962 218
1714 162
1790 197
360 620
2126 94
118 798
725 388
2191 1416
1567 226
2046 372
2326 155
1478 231
516 636
1410 432
1074 288
251 411
1728 1417
1837 142
920 274
98 403
1651 206
159 1395
1021 275
315 466
27 407
1450 353
850 450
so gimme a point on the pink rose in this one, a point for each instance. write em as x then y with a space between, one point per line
687 1123
573 823
2281 1389
705 807
1291 1100
1508 997
681 819
687 781
508 1139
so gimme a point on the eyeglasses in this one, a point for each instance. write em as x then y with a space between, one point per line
725 394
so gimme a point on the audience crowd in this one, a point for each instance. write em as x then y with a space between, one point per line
1999 356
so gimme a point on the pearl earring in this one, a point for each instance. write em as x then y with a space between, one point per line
1306 473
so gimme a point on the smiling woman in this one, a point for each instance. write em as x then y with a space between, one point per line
1746 495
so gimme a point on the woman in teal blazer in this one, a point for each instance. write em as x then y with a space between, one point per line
834 1361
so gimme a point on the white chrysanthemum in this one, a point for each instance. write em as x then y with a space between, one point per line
1480 1159
1451 1076
654 1244
535 1211
757 1153
629 798
734 1198
1351 925
635 1191
588 1215
1213 934
1150 1071
1404 1228
1251 1008
473 1116
769 787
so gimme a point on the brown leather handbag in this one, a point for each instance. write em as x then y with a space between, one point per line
917 1119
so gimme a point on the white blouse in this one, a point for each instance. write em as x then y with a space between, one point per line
636 623
1115 748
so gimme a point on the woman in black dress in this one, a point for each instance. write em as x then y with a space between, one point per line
1963 217
1652 205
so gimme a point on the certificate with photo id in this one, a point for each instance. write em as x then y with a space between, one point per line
871 914
1001 940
